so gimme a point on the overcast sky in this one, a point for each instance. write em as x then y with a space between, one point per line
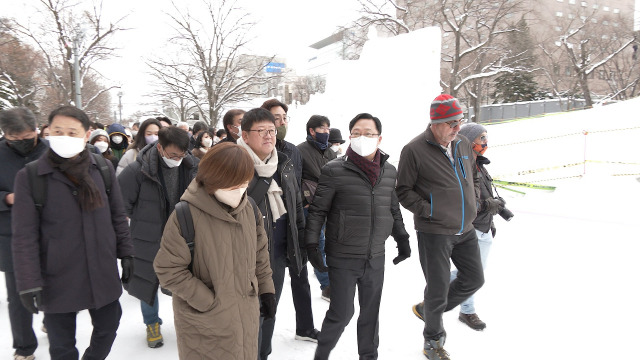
284 28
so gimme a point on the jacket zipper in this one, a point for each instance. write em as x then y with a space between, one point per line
455 151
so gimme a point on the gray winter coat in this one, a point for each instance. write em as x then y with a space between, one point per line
442 194
147 207
69 253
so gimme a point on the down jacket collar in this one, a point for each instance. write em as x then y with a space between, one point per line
149 159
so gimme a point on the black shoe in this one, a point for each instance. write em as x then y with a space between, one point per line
434 349
418 310
326 293
308 335
473 321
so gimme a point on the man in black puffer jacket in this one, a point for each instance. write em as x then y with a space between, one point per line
151 187
356 196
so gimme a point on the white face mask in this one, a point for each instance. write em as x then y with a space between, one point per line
117 139
171 163
66 146
134 132
335 148
230 197
207 142
101 145
364 146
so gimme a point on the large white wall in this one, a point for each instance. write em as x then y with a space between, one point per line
395 79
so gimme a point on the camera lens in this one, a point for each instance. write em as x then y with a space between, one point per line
506 214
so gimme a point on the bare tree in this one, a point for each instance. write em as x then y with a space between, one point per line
174 89
214 72
19 64
55 36
471 46
585 42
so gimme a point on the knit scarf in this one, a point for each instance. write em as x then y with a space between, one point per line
76 169
370 168
320 146
267 169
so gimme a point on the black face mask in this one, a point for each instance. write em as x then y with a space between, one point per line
24 147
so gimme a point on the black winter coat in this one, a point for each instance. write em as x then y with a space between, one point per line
292 153
360 217
293 203
484 220
146 206
11 162
69 253
313 159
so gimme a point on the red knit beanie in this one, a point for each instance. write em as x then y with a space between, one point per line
445 108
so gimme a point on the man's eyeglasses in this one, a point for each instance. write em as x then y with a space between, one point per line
264 132
283 118
369 135
174 156
455 123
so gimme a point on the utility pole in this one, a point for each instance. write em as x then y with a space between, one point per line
76 71
120 105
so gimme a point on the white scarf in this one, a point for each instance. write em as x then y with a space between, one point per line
274 193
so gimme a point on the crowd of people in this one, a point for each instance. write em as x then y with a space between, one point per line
214 218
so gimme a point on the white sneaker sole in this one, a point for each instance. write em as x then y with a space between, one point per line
304 338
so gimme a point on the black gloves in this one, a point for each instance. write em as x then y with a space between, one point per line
315 258
127 268
404 251
268 306
493 205
31 300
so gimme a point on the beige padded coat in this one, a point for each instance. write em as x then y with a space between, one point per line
216 309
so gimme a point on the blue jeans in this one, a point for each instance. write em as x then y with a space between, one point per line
150 312
323 277
484 243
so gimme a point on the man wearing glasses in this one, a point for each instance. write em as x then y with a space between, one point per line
276 191
300 288
151 187
356 198
439 184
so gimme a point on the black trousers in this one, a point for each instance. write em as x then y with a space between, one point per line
24 339
61 329
441 295
301 293
345 275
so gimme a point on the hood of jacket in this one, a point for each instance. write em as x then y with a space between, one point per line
198 197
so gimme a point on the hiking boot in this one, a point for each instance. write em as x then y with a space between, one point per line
418 310
23 357
154 336
473 321
434 350
326 293
308 335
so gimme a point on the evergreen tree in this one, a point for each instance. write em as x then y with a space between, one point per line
518 85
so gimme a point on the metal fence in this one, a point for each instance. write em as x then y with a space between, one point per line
500 112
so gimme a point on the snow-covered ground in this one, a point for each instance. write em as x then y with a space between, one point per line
561 276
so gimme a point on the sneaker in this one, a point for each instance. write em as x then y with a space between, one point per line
309 335
326 293
154 336
434 350
23 357
418 310
473 321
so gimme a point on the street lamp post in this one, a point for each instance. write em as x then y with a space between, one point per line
120 106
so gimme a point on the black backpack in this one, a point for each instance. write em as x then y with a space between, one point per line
187 229
39 183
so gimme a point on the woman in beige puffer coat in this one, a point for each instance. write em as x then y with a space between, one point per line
217 307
